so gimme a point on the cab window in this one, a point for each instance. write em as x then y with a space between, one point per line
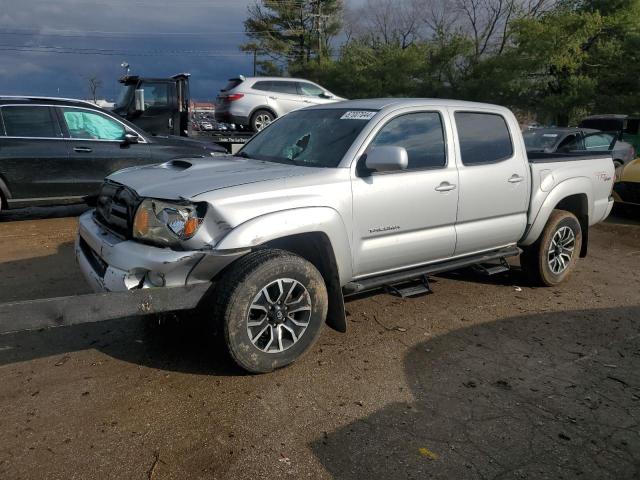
156 94
30 121
422 136
88 125
484 138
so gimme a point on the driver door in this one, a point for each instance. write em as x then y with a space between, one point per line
97 149
405 218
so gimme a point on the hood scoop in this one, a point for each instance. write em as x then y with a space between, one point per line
177 164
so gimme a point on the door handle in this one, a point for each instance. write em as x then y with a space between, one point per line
273 98
445 187
82 149
307 101
170 122
515 178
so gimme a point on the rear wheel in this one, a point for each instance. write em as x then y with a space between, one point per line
272 305
261 119
553 256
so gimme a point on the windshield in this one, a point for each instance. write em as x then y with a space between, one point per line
540 140
124 98
314 138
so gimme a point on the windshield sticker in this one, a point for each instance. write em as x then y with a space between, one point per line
358 115
552 135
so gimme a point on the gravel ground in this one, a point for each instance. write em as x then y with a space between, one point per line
486 378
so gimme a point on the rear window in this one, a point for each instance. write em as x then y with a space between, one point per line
29 121
484 138
604 124
233 83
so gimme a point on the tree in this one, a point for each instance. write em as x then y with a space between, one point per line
94 84
291 32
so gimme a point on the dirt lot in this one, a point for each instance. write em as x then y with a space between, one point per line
487 378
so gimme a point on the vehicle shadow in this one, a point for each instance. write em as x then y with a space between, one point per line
38 213
553 395
180 344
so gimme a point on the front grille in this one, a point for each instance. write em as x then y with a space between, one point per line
629 191
115 207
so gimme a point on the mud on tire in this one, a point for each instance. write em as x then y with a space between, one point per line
270 305
552 258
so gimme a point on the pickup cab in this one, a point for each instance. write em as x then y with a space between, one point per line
338 199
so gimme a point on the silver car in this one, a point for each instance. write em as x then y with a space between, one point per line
257 101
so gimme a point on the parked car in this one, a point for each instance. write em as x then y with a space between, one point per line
257 101
571 140
627 189
206 126
55 151
339 199
627 127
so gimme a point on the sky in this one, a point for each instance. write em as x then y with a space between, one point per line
52 47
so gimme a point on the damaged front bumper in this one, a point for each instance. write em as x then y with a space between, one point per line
110 263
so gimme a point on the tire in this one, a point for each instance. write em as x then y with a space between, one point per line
547 268
261 119
246 303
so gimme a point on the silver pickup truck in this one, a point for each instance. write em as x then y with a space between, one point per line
338 199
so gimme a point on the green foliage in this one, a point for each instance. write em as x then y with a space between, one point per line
582 56
288 33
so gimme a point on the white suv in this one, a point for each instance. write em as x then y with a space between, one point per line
257 101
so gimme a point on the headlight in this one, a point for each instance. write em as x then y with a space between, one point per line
166 223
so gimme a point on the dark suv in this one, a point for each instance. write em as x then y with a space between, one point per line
57 151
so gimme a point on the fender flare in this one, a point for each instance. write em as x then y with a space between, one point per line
567 188
272 226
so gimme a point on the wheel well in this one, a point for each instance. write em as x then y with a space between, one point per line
268 109
317 249
5 195
578 205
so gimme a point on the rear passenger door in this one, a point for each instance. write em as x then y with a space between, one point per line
285 94
33 153
406 218
494 182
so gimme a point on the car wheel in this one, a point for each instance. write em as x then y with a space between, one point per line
261 119
553 256
272 305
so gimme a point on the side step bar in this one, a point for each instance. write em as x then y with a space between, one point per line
415 273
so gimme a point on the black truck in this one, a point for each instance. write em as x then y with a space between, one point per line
161 106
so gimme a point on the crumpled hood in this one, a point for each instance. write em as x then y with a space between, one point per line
186 178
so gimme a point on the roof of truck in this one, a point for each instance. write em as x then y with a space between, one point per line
380 103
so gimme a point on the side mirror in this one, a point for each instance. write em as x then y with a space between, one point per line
138 97
130 137
326 94
387 158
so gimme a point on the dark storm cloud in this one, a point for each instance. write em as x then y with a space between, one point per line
153 29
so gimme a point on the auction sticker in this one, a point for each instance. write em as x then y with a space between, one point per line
358 115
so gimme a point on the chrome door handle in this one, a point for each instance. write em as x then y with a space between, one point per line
445 187
170 122
82 149
515 178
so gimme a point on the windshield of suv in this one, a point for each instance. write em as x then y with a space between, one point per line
314 138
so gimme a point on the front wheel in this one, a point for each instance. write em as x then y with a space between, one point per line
553 256
272 305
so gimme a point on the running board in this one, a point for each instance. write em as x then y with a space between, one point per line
416 273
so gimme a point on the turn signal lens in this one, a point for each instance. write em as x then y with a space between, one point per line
190 227
141 223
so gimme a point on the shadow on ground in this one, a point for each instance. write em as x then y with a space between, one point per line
551 395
